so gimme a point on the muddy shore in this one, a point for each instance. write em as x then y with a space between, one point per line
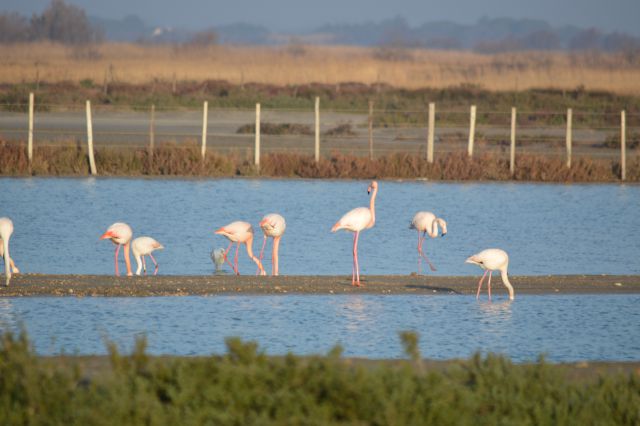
111 286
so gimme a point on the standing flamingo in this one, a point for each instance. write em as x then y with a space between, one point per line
273 225
120 234
491 260
427 223
240 233
141 247
355 221
6 229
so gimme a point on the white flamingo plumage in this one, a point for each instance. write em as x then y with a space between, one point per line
141 247
427 224
492 260
120 234
241 233
273 225
6 229
355 221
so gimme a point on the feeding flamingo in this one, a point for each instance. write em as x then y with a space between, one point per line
427 224
240 233
120 234
491 260
355 221
141 247
6 229
273 225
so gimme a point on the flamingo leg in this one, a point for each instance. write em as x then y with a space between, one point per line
421 251
155 272
489 285
116 259
144 265
225 255
274 257
264 243
353 261
127 258
235 260
355 256
252 257
480 284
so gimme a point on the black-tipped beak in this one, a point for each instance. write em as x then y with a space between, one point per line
368 191
443 234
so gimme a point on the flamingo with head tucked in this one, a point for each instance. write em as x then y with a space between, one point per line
6 229
355 221
241 233
273 225
120 234
141 247
427 224
491 260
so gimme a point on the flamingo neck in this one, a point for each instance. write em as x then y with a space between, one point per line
372 207
434 229
507 284
136 256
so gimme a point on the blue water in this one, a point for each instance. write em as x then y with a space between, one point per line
546 229
565 328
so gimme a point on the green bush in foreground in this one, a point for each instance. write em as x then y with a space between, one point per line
247 387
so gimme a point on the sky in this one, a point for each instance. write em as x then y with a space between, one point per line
301 15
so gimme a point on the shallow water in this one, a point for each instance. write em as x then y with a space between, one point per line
546 229
564 327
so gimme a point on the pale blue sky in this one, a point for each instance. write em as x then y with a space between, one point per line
299 15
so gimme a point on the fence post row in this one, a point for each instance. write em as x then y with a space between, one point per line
623 145
257 148
317 146
205 116
92 161
569 135
30 143
370 130
152 129
431 133
472 129
512 156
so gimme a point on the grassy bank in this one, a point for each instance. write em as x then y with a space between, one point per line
185 160
245 386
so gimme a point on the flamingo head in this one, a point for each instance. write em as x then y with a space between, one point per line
107 235
264 222
372 187
219 231
473 260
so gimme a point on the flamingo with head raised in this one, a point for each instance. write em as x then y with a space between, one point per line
492 260
427 224
141 247
355 221
272 225
241 233
120 234
6 229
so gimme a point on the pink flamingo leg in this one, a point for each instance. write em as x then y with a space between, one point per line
480 284
355 255
225 255
433 268
235 260
144 265
353 260
116 259
274 256
155 272
419 253
264 243
489 285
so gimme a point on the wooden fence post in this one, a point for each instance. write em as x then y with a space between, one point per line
472 129
30 142
205 117
92 161
317 146
257 148
623 145
152 129
431 133
512 156
370 130
569 135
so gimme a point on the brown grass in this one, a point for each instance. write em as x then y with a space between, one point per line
320 64
185 160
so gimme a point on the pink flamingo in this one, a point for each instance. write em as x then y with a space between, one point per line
355 221
141 247
273 225
6 229
240 233
120 234
427 224
491 260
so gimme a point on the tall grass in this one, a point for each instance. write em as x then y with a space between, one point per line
185 160
414 68
244 386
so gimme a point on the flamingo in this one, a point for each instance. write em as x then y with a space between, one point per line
6 229
241 233
120 234
427 223
355 221
491 260
273 225
141 247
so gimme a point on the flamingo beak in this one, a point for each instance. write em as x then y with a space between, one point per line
106 235
368 190
264 222
443 234
219 231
